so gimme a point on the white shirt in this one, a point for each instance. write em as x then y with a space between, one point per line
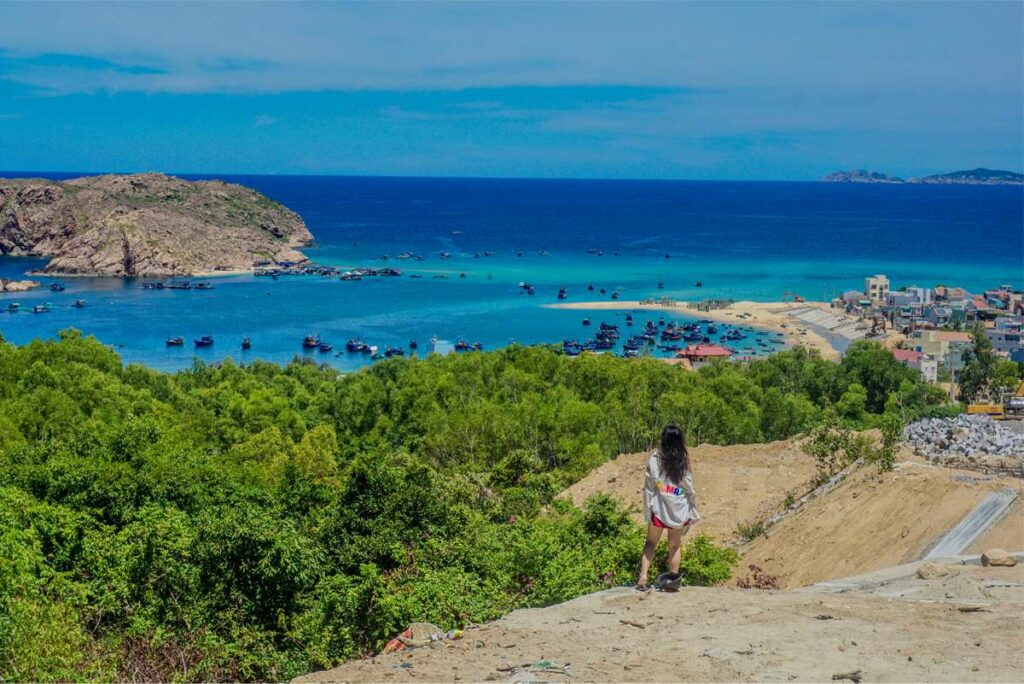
674 504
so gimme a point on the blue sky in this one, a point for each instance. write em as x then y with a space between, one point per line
728 90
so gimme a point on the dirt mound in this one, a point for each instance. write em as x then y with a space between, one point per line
721 634
735 484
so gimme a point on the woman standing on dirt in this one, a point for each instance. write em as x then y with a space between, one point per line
670 502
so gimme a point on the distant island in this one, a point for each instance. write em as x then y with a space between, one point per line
973 177
145 225
860 176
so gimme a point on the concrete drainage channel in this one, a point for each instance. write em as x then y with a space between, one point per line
986 514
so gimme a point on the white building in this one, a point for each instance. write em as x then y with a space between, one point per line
876 288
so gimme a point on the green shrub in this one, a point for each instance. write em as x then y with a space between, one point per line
704 564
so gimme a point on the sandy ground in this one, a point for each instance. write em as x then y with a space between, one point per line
766 315
869 521
734 484
903 629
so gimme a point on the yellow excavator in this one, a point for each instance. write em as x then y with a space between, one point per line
1012 406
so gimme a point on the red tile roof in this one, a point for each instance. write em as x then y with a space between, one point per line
703 351
907 355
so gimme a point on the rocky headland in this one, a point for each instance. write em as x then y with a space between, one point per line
145 225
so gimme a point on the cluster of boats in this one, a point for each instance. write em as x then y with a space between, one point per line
177 285
15 307
201 342
661 334
360 273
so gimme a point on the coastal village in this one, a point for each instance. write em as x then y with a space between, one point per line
929 327
926 328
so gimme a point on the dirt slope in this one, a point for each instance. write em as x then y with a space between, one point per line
734 484
872 521
893 630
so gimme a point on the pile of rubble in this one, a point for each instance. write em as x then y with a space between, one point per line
963 437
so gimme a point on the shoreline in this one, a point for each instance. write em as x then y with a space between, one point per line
165 276
765 315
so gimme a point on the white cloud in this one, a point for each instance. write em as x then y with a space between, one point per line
274 47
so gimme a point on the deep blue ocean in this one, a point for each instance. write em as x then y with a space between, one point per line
742 240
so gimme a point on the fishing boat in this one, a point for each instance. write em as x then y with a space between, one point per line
394 351
571 348
734 335
311 342
356 345
13 306
175 341
57 287
561 293
698 284
590 288
586 321
79 304
376 356
41 308
246 343
413 344
446 255
325 347
204 341
462 345
712 329
661 286
478 346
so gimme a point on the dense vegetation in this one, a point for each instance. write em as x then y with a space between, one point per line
256 522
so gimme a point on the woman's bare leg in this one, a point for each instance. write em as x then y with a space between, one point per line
650 546
675 543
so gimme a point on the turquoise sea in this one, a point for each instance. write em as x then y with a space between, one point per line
740 240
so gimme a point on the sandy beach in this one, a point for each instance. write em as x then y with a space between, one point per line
767 315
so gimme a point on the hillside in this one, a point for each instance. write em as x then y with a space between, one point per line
890 627
848 531
881 615
145 225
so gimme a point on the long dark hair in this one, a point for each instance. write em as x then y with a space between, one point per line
673 456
